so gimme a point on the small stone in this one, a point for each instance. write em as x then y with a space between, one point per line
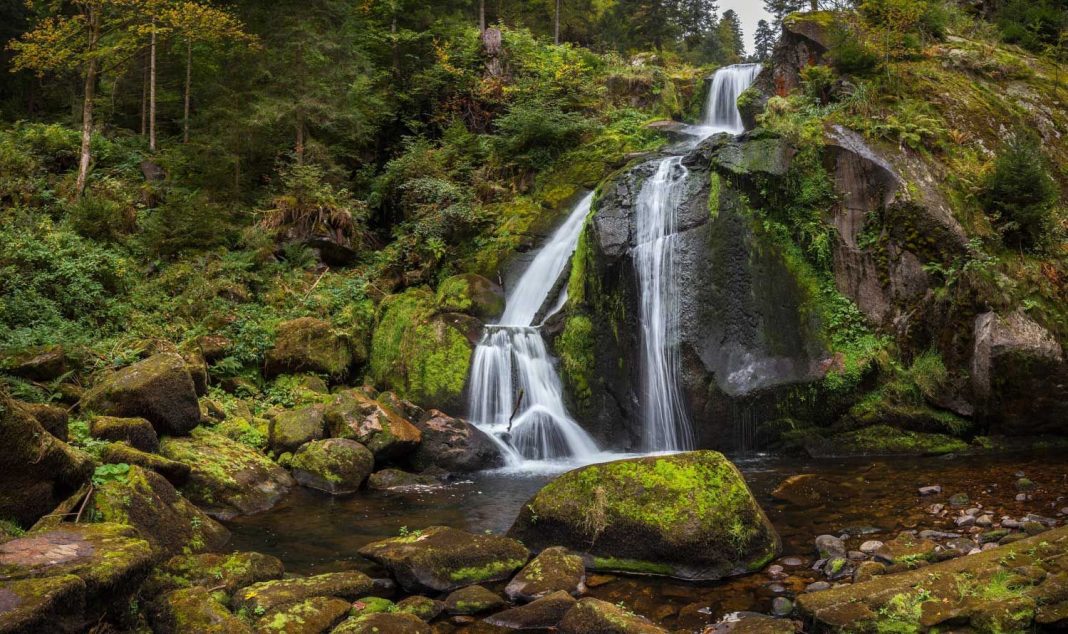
777 588
959 499
774 570
1020 474
935 509
975 551
1008 522
473 600
856 555
964 520
782 606
1063 511
1048 521
792 562
817 586
930 534
830 547
931 490
868 569
1023 484
1022 497
985 521
989 546
870 546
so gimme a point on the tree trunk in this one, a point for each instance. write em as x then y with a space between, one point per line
152 92
188 88
481 16
556 31
396 47
87 105
144 95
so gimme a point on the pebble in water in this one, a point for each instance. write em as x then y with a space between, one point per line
871 546
781 606
816 586
792 562
931 490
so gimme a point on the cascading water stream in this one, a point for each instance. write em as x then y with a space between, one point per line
666 424
513 373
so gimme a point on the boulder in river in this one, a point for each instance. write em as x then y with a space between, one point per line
291 429
377 426
593 616
227 478
689 516
225 572
440 558
454 444
540 614
383 623
397 480
158 388
310 616
268 595
335 465
553 570
473 600
194 610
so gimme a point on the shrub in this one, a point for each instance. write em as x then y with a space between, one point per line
184 220
1033 24
103 214
534 132
1020 195
308 205
850 55
817 82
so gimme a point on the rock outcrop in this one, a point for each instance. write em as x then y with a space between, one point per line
337 465
158 389
454 444
310 345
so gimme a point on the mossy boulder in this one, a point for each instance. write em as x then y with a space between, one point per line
136 432
310 616
440 558
218 572
883 440
37 470
269 595
472 294
52 417
194 610
397 480
158 389
289 430
371 605
148 502
383 623
227 478
542 614
355 415
689 516
473 600
420 354
593 616
111 560
454 444
336 465
36 363
425 608
51 604
310 345
175 472
553 570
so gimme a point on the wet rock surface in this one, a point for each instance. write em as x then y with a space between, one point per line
453 444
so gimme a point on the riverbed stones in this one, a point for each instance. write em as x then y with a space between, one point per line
806 489
689 516
268 595
309 345
397 480
441 559
540 614
158 389
473 600
454 444
194 610
227 478
337 466
830 547
220 572
136 432
593 616
355 415
383 623
291 429
425 608
310 616
553 570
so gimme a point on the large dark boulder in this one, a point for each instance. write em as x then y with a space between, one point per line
689 516
310 345
291 429
374 424
136 432
336 465
158 389
454 444
52 417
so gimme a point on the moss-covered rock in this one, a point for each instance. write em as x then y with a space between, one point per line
214 571
148 502
541 614
336 465
553 570
383 623
473 600
269 595
51 604
425 608
310 345
311 616
158 389
176 473
472 294
593 616
136 432
418 353
371 605
37 470
689 516
377 426
454 444
52 417
37 363
397 480
227 478
440 558
883 440
290 429
194 610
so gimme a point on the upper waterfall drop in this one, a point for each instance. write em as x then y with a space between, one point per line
728 83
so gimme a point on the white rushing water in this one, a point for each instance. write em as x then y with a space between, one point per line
666 424
513 373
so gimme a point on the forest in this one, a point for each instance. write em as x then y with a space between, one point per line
578 316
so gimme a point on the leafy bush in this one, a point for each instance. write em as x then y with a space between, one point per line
184 220
817 82
1020 194
535 132
850 55
1033 24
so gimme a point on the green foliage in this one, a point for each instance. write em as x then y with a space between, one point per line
531 134
1037 25
307 205
817 81
1020 195
851 55
106 473
184 221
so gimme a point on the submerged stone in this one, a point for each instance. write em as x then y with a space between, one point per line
543 613
553 570
158 389
336 465
440 558
397 480
689 516
593 616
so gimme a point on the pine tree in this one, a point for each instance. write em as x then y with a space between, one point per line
696 19
730 32
764 41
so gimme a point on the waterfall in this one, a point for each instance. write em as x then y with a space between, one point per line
512 361
666 424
